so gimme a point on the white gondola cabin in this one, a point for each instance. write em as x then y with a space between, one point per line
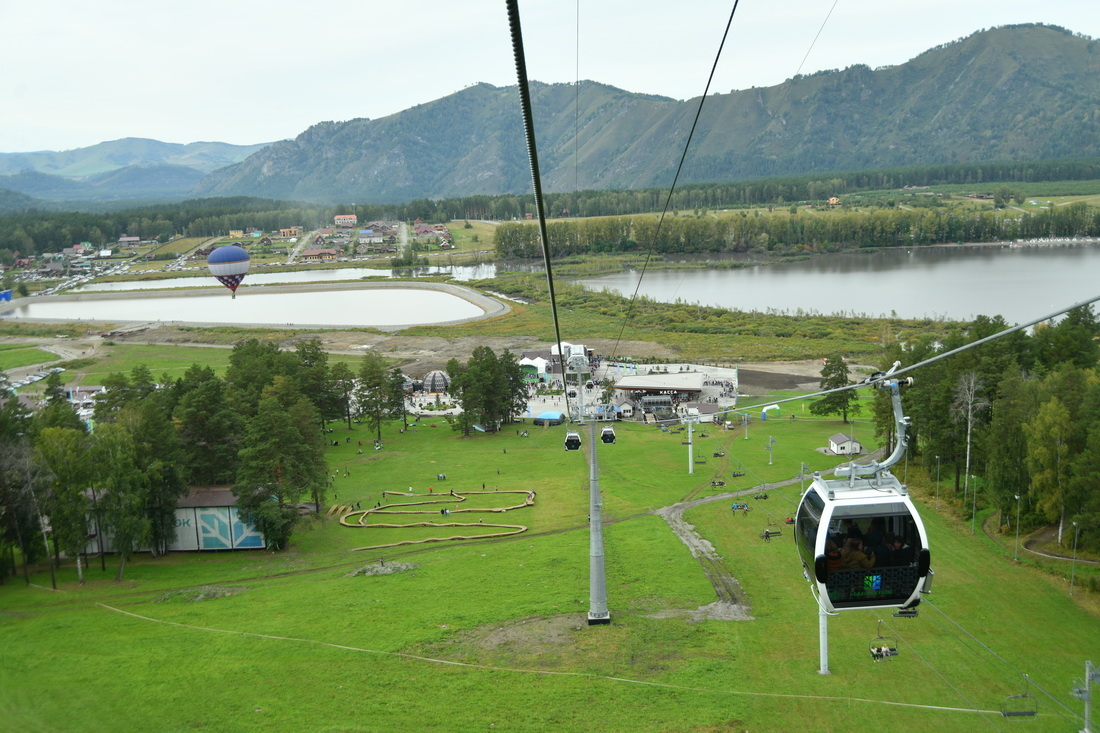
867 504
607 435
572 440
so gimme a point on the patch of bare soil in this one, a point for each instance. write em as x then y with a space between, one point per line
527 636
382 568
205 593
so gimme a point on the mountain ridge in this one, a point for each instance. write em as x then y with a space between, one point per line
946 105
1022 92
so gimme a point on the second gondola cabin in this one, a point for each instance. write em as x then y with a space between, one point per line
880 508
572 440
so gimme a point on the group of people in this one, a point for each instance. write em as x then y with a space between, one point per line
851 549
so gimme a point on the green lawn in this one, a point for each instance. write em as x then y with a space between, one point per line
173 360
467 635
13 358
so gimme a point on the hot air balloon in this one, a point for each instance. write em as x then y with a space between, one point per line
230 265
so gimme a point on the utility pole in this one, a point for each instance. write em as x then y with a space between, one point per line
1083 691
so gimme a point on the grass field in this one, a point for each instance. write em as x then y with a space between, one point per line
472 635
13 358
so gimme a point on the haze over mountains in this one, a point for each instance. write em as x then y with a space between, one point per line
1013 93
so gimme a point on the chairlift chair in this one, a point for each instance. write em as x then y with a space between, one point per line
883 647
607 435
572 440
1020 706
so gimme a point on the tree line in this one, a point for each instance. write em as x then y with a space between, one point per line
792 232
35 232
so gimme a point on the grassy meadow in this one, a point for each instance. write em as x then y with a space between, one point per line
491 634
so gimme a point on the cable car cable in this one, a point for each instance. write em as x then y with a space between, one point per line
1004 661
939 674
873 379
675 179
536 177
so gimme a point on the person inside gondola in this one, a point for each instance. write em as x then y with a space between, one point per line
852 530
855 558
882 550
876 533
833 559
903 554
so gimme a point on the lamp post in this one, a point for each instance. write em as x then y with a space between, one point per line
1016 556
1073 565
937 483
974 510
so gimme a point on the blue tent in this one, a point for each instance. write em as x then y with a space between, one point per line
549 418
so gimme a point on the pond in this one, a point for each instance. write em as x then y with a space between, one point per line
382 305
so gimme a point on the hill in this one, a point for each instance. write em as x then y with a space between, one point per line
131 168
1013 93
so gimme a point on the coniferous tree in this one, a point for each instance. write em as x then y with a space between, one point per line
280 462
833 376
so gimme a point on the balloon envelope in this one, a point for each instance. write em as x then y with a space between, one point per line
229 264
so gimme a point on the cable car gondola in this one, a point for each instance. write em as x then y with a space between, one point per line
872 499
572 440
607 435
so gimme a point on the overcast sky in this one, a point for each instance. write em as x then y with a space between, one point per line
76 73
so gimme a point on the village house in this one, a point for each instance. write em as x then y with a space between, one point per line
345 220
841 444
318 255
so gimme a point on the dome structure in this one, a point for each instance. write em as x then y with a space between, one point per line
437 381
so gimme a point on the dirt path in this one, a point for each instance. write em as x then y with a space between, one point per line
731 604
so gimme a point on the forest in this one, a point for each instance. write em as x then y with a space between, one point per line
1016 417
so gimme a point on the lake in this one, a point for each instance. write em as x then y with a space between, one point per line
260 278
1019 282
379 305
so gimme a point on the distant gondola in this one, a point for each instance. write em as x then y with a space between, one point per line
572 440
607 435
874 501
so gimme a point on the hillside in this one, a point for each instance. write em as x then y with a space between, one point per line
949 105
131 168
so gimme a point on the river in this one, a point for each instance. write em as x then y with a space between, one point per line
1018 282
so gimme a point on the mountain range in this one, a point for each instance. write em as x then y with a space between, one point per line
1026 92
